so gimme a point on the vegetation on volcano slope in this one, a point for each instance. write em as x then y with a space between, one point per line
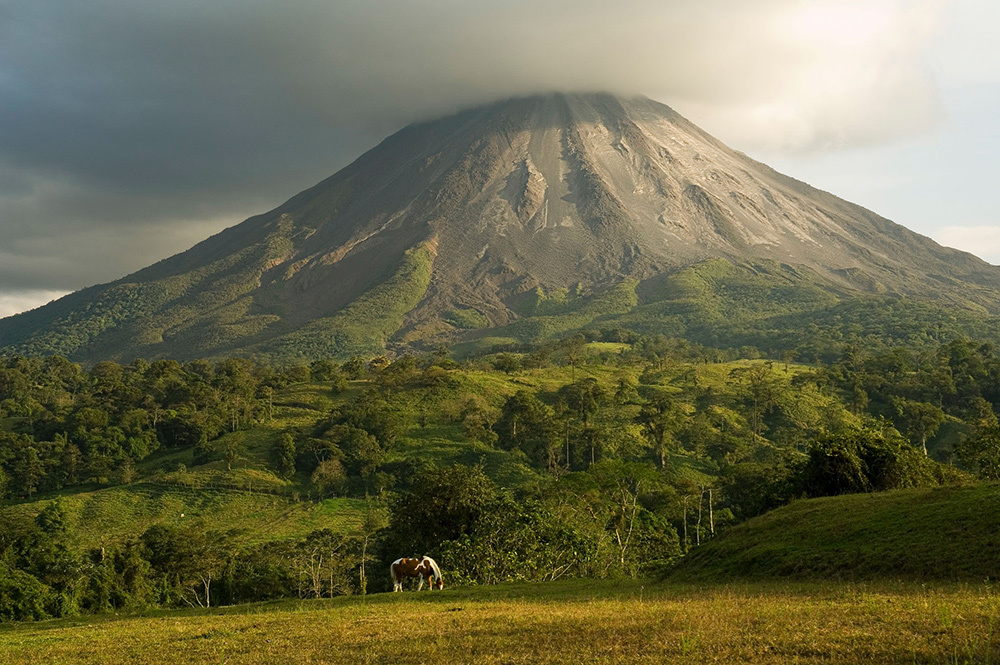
162 483
771 306
124 318
363 326
765 305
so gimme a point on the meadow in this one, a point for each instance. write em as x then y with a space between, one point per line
571 621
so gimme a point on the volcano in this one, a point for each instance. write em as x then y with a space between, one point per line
562 210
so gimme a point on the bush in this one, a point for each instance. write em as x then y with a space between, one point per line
22 596
871 458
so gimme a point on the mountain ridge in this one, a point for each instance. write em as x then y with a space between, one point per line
546 192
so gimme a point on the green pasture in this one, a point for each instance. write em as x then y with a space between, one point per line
571 621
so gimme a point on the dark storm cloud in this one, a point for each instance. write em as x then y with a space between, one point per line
130 129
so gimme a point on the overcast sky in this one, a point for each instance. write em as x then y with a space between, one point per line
129 130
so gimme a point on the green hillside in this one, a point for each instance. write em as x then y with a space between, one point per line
942 533
776 307
164 483
770 306
247 517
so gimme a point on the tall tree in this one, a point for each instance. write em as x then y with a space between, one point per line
661 418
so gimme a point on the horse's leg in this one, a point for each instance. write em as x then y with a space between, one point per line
421 584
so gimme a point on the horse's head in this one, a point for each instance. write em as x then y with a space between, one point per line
432 572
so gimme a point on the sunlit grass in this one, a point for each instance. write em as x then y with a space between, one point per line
944 533
574 621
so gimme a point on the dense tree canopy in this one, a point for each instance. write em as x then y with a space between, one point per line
609 453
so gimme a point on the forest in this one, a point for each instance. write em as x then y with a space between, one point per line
604 455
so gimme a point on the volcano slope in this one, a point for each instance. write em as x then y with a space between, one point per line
517 220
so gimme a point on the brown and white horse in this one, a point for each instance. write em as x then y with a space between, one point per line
424 568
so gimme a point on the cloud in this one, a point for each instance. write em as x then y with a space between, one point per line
21 301
129 128
982 240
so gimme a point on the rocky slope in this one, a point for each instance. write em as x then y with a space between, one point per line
452 224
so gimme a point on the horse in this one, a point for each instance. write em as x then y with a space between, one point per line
424 568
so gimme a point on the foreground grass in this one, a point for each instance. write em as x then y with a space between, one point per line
566 622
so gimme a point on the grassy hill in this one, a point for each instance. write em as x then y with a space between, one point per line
943 533
100 517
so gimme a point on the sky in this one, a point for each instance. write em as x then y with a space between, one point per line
131 129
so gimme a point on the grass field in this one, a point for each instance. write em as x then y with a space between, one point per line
938 533
572 621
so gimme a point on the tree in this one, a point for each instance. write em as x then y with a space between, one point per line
325 560
53 519
478 418
759 390
661 418
26 467
22 596
479 531
611 502
981 451
283 454
375 521
188 560
232 447
362 452
396 375
508 363
626 392
573 349
622 484
329 478
442 504
373 414
583 398
353 368
180 431
922 419
751 488
870 458
311 452
529 425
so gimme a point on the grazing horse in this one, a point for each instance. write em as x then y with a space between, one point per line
424 568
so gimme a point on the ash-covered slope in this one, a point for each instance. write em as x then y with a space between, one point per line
455 220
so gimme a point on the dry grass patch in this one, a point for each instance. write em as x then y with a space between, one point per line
570 622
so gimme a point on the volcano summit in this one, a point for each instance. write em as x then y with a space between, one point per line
513 221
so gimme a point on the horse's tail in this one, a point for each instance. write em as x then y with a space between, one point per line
392 570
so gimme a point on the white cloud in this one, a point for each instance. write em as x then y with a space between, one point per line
821 75
22 301
121 119
983 241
